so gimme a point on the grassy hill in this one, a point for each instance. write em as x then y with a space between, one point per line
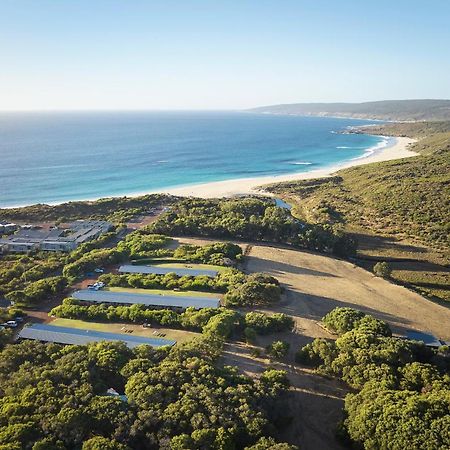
384 110
399 210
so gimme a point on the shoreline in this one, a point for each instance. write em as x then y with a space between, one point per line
397 148
229 188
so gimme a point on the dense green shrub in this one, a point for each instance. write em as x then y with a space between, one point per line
270 444
217 253
404 397
257 289
265 324
38 291
139 243
249 218
341 320
380 417
102 443
95 258
53 396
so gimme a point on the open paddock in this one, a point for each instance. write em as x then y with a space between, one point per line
315 284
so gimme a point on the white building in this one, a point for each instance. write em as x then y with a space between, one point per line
56 239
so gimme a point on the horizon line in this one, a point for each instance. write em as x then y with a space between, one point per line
181 109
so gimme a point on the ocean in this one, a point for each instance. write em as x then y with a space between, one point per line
56 157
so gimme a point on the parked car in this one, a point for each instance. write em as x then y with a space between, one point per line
11 324
19 319
98 270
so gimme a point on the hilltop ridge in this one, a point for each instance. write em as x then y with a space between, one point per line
395 110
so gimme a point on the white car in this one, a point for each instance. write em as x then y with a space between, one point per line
11 324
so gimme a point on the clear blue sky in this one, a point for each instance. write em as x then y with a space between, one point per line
216 54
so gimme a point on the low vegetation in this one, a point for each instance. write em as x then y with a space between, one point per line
54 397
18 271
218 253
251 219
265 324
115 209
38 291
141 244
256 290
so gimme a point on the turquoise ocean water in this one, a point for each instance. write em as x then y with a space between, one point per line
55 157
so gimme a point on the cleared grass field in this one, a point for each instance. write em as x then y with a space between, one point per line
137 330
164 292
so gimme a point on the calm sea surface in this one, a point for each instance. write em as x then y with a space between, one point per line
54 157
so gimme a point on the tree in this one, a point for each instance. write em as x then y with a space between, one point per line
395 419
341 320
250 334
382 269
278 349
270 444
251 293
102 443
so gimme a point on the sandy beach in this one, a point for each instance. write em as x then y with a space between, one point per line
398 149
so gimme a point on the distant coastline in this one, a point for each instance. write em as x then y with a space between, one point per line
385 110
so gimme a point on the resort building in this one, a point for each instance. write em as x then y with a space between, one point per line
75 336
427 338
7 228
151 300
29 239
180 271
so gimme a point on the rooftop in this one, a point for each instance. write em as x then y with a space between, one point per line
128 268
74 336
426 338
146 299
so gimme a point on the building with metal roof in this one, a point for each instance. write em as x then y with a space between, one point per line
75 336
157 270
427 338
55 239
129 298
